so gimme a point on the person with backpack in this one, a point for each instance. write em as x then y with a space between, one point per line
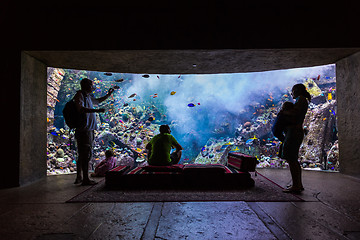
84 132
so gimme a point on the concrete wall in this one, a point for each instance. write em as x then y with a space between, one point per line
32 120
348 111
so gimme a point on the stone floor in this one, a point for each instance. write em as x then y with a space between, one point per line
39 211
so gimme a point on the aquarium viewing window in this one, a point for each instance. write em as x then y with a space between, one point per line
210 115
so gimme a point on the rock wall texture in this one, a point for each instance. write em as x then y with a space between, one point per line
348 99
32 120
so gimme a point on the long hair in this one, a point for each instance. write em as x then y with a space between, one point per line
301 90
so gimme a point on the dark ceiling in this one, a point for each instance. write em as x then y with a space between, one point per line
171 36
171 25
184 61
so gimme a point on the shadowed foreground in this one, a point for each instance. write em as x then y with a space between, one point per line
39 211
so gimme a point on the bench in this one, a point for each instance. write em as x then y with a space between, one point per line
235 174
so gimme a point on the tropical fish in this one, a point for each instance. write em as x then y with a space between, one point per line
151 118
125 104
254 137
172 93
132 95
249 141
198 103
145 76
108 74
134 99
119 80
116 87
158 77
329 96
191 105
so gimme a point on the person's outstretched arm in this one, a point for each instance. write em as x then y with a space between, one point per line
101 99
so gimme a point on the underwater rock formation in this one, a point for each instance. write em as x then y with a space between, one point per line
55 76
321 133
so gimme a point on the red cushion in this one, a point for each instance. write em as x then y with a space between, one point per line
141 170
119 169
231 170
242 161
204 168
172 168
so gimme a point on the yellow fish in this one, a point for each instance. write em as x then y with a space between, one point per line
329 96
172 93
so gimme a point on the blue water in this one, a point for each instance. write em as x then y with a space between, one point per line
201 109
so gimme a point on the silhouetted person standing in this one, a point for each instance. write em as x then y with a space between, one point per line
294 136
84 136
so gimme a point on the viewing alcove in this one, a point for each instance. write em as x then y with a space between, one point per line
33 107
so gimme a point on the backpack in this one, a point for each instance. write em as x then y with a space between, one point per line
72 117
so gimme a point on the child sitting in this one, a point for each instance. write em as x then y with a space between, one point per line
282 121
105 165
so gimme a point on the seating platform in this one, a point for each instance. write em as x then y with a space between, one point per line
185 176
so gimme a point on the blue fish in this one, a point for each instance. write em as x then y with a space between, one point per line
191 105
54 133
249 141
